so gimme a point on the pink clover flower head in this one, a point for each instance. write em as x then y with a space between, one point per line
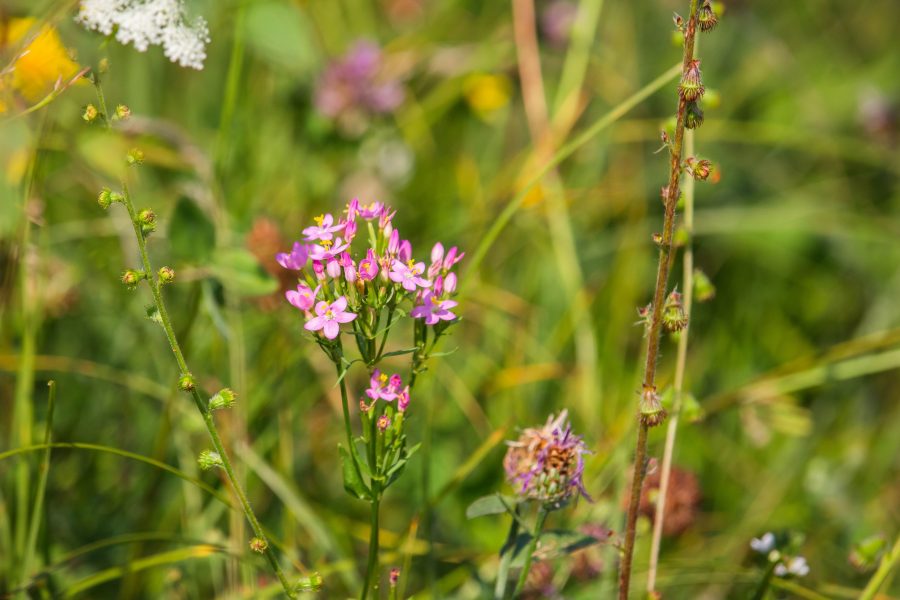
403 399
357 83
383 387
433 309
296 259
323 229
329 317
368 267
328 250
547 463
409 275
303 297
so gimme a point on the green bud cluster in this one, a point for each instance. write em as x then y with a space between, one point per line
209 459
224 398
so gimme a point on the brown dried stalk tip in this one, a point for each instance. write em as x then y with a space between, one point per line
706 16
691 86
652 411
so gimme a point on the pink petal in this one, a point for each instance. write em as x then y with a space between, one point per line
315 324
332 329
344 317
321 308
339 305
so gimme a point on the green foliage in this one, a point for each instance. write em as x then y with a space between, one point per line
789 423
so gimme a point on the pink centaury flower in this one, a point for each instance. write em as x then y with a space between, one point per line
409 275
303 297
433 309
296 259
383 387
368 267
327 250
329 317
323 229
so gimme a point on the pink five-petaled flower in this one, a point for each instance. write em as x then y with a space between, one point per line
433 309
383 387
329 317
303 297
409 275
296 259
328 250
323 229
368 267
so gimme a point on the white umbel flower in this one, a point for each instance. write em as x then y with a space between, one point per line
145 23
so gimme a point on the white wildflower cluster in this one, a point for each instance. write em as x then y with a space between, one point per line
145 23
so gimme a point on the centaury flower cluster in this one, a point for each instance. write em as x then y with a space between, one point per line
345 283
357 277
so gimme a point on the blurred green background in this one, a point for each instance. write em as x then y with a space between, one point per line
794 362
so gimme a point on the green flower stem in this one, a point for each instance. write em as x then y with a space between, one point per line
529 551
371 579
666 252
154 284
345 407
888 564
764 583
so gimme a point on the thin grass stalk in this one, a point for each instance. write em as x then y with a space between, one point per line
558 219
153 282
680 362
37 510
653 334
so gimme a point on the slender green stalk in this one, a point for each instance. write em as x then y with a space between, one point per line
653 335
680 362
38 508
529 551
371 578
153 282
888 563
763 585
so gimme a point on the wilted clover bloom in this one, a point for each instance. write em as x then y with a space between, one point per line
357 85
547 464
145 23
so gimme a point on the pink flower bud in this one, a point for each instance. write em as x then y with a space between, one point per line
405 252
333 268
394 243
450 283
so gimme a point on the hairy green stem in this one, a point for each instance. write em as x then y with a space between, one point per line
653 335
888 563
529 551
153 283
763 584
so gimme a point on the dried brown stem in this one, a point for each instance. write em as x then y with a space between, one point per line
662 277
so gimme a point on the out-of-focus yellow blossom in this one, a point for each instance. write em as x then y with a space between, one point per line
487 93
39 65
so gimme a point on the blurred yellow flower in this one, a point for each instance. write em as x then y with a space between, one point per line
39 65
487 93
